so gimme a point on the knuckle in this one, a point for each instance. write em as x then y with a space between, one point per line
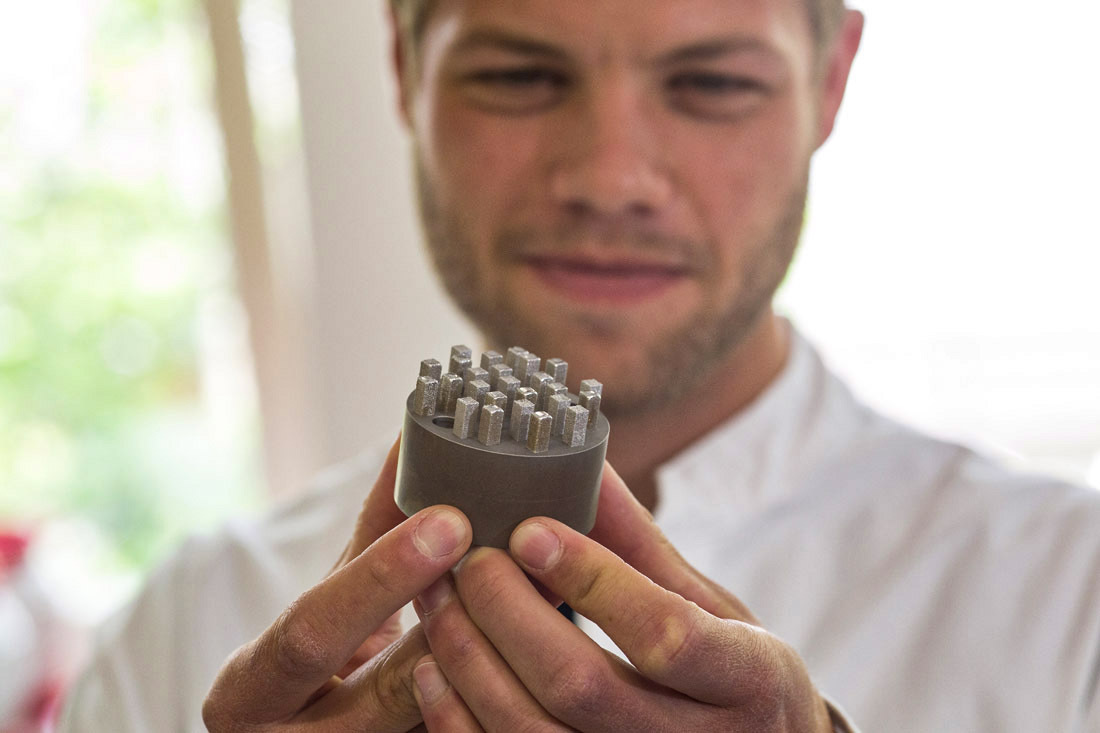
452 640
390 693
664 640
485 590
299 648
383 575
765 683
579 691
591 586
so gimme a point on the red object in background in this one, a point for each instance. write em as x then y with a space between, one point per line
37 709
13 548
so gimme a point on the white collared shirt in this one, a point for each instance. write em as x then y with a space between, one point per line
926 588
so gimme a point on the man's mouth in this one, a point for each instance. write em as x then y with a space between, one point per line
610 280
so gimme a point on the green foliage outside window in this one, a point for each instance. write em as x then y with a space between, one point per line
124 389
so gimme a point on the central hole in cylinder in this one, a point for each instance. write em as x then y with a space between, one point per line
444 422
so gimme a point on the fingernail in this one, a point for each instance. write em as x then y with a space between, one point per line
435 595
430 681
536 545
439 533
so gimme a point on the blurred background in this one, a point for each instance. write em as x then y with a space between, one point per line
211 282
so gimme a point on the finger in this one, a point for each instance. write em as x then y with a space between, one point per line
625 526
272 677
669 639
572 678
379 696
440 705
484 681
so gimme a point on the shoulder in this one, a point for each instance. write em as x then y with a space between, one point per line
155 660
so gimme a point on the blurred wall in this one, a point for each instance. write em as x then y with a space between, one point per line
379 310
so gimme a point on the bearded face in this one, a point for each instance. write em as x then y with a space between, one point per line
618 184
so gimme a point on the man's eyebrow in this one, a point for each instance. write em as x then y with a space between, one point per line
716 48
505 41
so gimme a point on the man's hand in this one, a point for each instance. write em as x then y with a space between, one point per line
333 658
504 659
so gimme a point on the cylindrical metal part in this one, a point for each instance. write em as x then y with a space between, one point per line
500 486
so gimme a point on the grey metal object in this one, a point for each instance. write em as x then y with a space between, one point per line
502 463
431 368
450 390
426 396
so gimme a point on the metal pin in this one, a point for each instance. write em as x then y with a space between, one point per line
472 374
549 389
491 425
466 410
449 392
556 405
591 402
591 385
508 385
497 398
576 426
528 364
526 393
491 358
462 358
426 396
496 371
477 389
513 355
431 368
556 368
521 420
538 437
536 382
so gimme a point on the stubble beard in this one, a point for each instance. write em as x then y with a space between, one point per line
672 366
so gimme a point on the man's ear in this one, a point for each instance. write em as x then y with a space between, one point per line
838 65
399 58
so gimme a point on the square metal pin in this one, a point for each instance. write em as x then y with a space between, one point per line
502 441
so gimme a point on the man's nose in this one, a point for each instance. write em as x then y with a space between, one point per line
609 161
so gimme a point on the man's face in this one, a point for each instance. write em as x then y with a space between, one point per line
618 183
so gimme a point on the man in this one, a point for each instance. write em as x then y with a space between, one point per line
622 183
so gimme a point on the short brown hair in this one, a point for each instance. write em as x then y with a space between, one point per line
825 18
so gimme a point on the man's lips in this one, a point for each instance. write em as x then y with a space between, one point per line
615 280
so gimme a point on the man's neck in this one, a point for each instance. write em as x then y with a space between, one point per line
641 442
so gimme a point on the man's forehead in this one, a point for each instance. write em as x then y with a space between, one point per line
641 29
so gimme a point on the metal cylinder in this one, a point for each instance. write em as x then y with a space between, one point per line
501 485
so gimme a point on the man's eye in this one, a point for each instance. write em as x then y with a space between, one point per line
515 90
518 77
714 95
